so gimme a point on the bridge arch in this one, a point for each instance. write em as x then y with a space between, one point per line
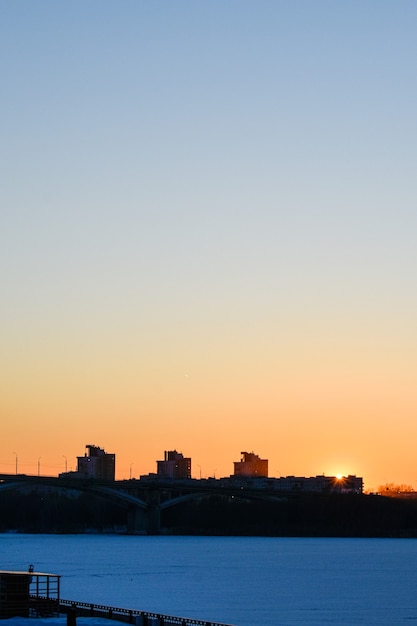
137 508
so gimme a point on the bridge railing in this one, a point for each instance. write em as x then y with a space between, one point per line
129 616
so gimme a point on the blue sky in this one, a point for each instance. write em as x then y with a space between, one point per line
209 186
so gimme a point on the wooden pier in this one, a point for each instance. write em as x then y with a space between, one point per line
36 594
29 594
129 616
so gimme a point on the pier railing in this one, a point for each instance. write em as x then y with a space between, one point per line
129 616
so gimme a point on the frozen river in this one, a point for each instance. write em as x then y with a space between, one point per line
246 581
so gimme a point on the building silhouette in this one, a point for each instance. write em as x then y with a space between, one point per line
251 465
174 465
97 464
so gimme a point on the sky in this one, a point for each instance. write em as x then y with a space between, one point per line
208 235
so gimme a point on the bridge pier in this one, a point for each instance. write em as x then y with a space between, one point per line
136 520
153 512
147 520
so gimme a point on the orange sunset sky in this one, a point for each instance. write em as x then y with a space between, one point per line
208 235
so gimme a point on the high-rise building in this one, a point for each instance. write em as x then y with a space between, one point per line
251 465
96 464
174 465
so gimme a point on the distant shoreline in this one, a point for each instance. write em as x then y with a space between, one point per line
307 515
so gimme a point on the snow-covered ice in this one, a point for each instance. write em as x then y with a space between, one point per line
246 581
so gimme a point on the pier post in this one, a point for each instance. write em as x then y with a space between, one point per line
71 616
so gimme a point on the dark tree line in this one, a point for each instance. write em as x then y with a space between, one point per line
304 515
48 510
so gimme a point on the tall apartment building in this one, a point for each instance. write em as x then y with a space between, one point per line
251 465
96 464
174 465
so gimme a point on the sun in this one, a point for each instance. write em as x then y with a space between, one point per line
339 476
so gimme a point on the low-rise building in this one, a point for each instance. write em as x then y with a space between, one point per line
300 484
318 484
174 465
251 465
97 464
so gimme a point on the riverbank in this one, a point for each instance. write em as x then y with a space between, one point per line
303 515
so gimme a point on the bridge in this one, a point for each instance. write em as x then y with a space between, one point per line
144 498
